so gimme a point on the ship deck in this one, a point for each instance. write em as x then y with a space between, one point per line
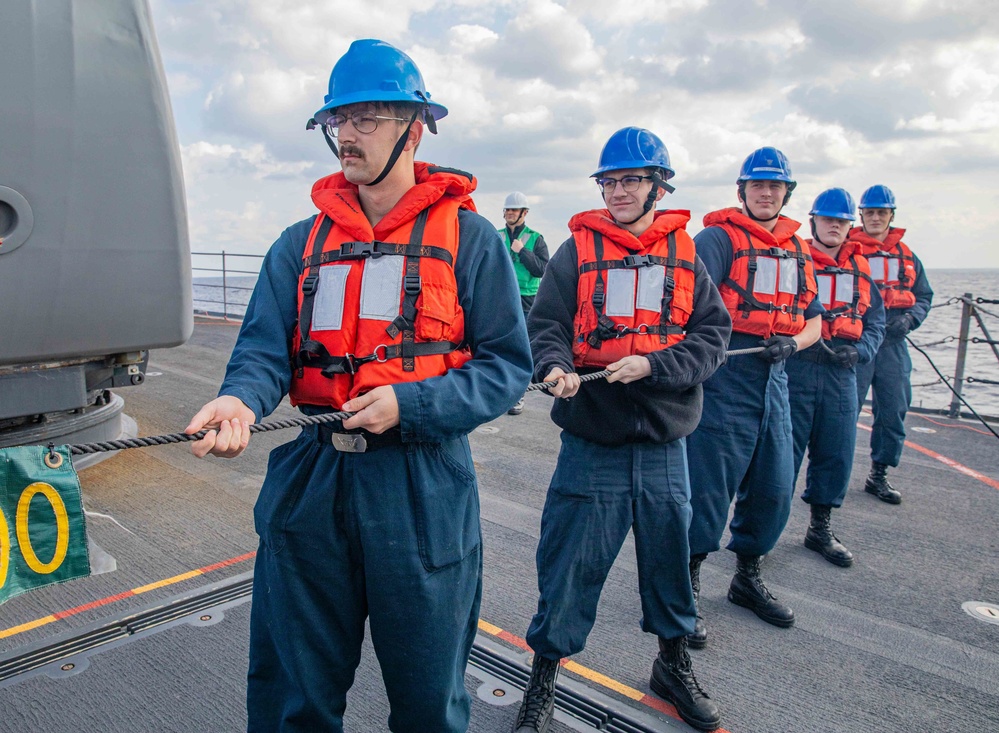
160 644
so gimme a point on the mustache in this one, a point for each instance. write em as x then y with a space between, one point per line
351 150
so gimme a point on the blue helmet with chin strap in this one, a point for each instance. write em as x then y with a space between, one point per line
767 164
836 203
877 197
634 147
375 71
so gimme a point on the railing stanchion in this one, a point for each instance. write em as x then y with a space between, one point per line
962 353
225 299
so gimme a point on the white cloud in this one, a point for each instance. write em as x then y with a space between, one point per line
854 93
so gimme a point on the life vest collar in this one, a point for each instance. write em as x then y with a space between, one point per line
871 244
600 220
848 248
337 197
783 230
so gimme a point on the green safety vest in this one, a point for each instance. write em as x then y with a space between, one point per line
527 283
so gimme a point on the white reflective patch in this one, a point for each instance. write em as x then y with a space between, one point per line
327 308
650 287
766 276
825 283
892 270
381 287
789 276
877 268
844 287
620 293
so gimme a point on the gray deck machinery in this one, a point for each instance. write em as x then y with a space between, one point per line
94 256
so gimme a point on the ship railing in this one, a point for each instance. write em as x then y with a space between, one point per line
226 299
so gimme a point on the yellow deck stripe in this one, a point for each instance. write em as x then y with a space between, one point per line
603 680
489 628
167 581
27 627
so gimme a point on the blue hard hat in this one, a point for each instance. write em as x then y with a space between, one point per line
375 71
836 203
877 197
634 147
767 164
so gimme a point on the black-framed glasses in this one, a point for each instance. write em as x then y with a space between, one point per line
629 183
364 122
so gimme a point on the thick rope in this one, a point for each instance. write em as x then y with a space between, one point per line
297 422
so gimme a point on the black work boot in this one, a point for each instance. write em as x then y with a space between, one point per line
539 698
673 680
821 539
747 590
877 484
699 638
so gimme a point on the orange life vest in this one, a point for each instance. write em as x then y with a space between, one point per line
635 294
893 267
772 279
844 289
379 305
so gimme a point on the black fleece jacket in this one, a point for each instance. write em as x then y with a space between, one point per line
661 408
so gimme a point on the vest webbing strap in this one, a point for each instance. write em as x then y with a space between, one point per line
749 301
320 358
405 322
311 283
606 328
363 250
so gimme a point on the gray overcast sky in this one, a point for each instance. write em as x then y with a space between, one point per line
855 92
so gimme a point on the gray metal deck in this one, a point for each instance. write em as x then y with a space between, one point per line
882 646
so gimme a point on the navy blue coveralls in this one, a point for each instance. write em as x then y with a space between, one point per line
391 535
889 376
742 446
622 466
823 397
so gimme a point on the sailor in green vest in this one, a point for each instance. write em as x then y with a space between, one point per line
529 253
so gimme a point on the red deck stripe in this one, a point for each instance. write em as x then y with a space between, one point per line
949 462
129 593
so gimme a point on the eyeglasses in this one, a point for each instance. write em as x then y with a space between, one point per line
629 183
363 122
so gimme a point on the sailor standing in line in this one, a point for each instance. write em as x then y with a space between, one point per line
741 449
822 381
626 293
400 304
529 253
907 296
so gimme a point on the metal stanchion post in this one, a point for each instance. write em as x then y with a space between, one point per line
962 352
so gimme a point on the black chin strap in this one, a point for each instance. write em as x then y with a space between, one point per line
815 234
650 200
312 125
428 118
749 211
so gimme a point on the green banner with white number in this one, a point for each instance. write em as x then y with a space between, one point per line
43 533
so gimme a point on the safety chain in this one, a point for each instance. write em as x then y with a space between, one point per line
987 300
937 343
979 380
977 340
949 301
986 312
951 387
928 384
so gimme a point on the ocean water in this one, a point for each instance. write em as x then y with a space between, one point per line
928 390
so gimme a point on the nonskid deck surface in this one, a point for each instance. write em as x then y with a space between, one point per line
884 645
